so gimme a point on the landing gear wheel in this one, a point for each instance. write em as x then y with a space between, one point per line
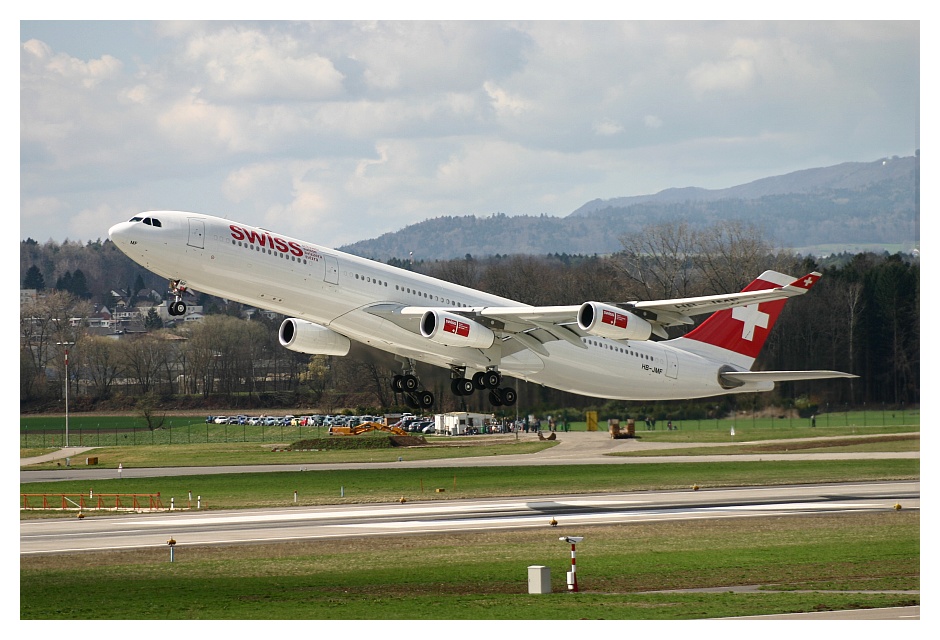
478 381
461 387
411 401
508 396
491 379
397 384
409 382
425 399
177 308
495 399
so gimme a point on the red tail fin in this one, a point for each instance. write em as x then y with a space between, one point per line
742 331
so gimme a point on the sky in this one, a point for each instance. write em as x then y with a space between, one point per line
337 131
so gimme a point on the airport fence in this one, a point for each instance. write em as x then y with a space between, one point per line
867 417
49 432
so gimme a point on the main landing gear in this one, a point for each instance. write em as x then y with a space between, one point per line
408 384
177 307
416 398
482 381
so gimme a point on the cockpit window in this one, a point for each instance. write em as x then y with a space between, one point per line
153 222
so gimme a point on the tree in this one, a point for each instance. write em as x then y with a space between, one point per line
79 286
317 375
660 260
731 253
149 411
100 363
64 282
144 359
153 320
45 326
34 279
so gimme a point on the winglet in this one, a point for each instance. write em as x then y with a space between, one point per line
807 281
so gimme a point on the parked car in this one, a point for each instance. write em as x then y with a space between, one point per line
254 420
428 429
221 420
210 419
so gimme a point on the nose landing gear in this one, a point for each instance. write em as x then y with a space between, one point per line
177 307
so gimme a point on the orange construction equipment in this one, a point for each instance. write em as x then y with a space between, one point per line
366 427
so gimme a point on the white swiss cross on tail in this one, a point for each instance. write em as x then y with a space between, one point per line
751 316
737 334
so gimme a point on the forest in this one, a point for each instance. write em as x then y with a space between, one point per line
863 317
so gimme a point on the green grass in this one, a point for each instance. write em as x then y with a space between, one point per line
799 563
272 489
891 443
238 453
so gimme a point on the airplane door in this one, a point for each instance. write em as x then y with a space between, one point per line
197 233
672 365
331 274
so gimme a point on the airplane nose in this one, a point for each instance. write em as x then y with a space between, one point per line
118 233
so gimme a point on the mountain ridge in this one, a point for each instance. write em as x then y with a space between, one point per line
852 203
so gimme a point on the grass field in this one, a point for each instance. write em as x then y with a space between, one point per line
636 572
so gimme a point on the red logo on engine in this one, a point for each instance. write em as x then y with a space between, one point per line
457 328
614 319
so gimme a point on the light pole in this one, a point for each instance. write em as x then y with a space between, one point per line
66 345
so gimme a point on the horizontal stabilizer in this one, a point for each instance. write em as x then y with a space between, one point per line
782 376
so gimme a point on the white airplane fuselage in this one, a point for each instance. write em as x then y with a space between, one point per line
331 288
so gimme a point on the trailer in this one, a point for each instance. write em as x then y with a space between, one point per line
461 423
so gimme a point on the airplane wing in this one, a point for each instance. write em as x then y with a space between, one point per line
532 326
669 313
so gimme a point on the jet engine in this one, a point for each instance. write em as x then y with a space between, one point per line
315 339
607 321
454 330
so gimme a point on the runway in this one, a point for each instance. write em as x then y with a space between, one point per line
98 533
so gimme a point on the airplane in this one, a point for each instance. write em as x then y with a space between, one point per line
599 349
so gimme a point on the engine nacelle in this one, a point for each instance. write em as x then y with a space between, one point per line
308 337
607 321
454 330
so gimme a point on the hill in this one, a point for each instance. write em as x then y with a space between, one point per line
849 206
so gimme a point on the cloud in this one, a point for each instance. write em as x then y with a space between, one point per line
607 127
251 65
359 127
